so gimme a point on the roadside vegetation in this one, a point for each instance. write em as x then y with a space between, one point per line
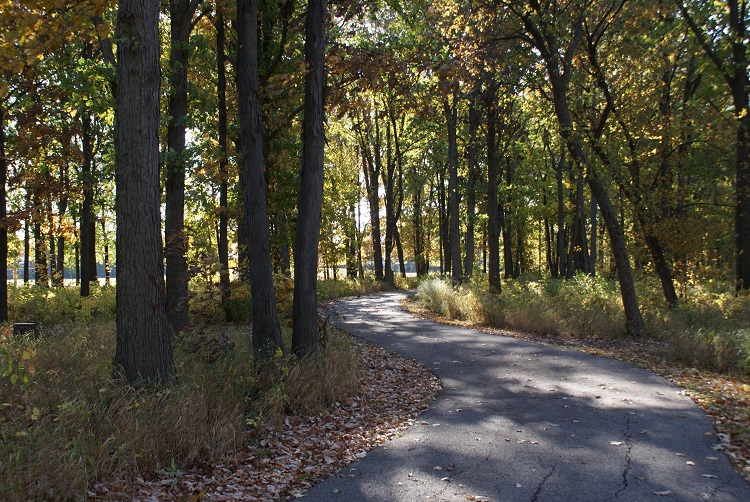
66 424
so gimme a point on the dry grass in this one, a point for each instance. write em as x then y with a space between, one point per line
66 424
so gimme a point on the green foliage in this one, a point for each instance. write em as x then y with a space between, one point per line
47 306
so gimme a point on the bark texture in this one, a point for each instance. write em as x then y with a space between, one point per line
305 308
144 349
266 327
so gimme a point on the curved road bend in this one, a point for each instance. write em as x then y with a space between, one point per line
520 421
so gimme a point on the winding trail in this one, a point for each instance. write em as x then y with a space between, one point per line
519 421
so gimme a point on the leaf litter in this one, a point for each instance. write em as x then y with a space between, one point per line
284 463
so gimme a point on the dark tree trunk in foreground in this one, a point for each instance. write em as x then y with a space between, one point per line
266 327
221 92
88 230
144 349
40 254
176 243
493 224
3 225
305 309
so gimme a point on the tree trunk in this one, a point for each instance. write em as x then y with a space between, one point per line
305 308
77 254
221 93
742 213
493 222
3 224
175 241
105 241
144 349
371 170
400 254
88 232
62 208
351 243
388 185
454 234
559 78
40 254
594 237
474 117
445 248
26 250
266 327
505 213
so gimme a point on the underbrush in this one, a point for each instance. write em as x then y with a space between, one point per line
49 306
66 424
710 331
330 289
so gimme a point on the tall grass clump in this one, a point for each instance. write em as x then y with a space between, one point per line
710 330
584 305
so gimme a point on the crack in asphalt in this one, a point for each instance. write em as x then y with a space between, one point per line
628 459
535 495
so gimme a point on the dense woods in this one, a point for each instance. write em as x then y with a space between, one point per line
479 141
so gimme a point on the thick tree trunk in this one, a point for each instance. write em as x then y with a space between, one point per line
505 212
221 94
454 234
88 232
493 222
444 215
388 185
562 258
742 214
144 349
176 242
60 262
40 254
77 254
3 225
305 308
266 327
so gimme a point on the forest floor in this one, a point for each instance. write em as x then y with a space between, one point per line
281 461
724 398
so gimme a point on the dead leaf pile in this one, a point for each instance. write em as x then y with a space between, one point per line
285 462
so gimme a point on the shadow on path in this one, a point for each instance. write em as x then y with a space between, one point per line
522 421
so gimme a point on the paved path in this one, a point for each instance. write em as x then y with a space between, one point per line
519 421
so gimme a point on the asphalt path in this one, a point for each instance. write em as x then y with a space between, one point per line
520 421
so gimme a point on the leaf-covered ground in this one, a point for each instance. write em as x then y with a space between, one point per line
724 398
285 461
